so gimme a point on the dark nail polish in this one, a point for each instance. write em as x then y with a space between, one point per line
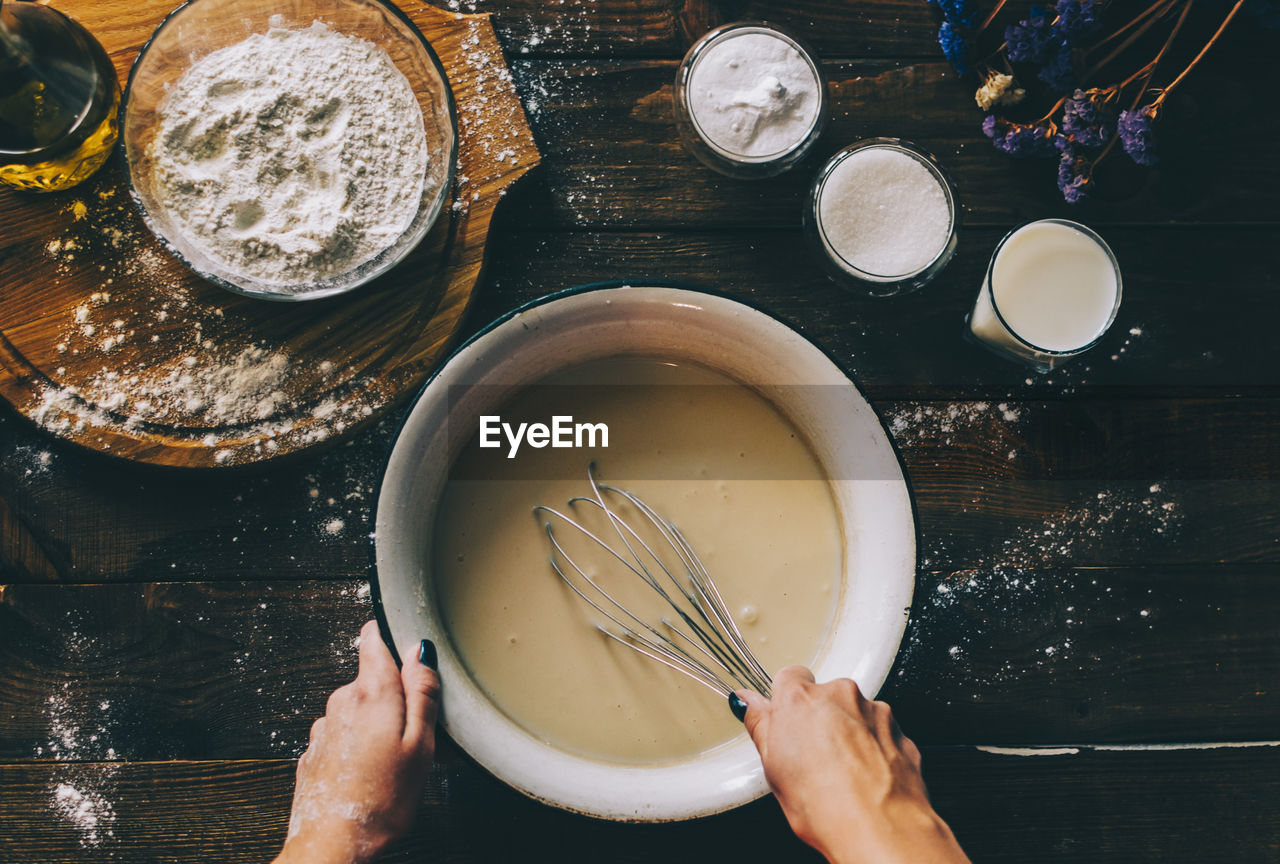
427 654
737 706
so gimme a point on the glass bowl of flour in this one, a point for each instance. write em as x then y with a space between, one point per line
289 151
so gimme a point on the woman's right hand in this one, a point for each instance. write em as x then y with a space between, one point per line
847 778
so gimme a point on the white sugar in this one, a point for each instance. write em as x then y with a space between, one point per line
753 94
884 212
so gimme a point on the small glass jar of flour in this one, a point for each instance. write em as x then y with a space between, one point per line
883 215
750 101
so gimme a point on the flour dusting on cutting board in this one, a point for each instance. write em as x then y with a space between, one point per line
208 376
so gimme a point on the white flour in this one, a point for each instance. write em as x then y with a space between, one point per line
753 95
88 810
292 156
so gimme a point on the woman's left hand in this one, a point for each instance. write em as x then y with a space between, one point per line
361 777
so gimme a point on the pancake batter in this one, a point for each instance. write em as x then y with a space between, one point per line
710 455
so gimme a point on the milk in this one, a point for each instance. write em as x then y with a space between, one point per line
1052 289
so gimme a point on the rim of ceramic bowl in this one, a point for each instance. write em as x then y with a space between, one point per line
743 779
373 268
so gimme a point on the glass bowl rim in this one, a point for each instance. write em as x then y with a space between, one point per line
324 290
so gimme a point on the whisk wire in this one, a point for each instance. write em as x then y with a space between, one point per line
716 655
709 639
730 651
664 644
706 595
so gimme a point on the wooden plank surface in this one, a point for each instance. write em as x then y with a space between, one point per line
666 28
1190 339
189 616
1026 483
1168 806
613 157
1009 656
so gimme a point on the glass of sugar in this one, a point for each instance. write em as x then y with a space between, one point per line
750 101
883 214
1051 291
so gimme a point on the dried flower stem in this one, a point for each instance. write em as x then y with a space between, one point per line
986 22
1155 61
1133 37
1146 70
1052 111
1214 38
1150 69
1158 8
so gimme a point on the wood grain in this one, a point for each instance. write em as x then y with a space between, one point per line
1179 806
1194 337
986 489
240 670
180 666
613 157
100 276
666 28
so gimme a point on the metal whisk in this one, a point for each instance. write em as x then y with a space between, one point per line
698 637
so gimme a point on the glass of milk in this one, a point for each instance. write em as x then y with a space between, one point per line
750 100
1052 290
882 213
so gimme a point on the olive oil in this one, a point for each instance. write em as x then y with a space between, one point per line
59 99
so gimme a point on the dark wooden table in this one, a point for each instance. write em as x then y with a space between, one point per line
1091 665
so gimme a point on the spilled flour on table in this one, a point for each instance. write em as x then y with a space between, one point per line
80 788
490 123
87 808
525 34
1109 513
1024 592
1032 597
916 423
31 462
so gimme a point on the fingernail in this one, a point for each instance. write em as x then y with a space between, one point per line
427 655
737 706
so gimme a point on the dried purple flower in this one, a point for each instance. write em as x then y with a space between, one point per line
1030 40
1134 128
955 46
1076 17
1075 174
958 12
1021 140
1059 70
1087 117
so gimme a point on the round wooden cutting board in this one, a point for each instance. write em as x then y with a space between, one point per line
107 341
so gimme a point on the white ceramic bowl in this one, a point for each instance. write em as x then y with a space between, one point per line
744 343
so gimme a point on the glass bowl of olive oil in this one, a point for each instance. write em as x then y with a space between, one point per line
59 100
